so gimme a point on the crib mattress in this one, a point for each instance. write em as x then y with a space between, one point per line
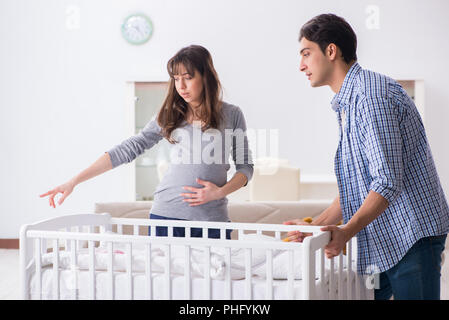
198 287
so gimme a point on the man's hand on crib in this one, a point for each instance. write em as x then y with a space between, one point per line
199 196
339 237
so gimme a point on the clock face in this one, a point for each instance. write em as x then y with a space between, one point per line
137 29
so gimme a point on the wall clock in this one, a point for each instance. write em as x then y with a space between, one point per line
137 28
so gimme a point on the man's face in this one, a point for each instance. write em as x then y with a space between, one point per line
314 63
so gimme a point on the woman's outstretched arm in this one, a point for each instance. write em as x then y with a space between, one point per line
100 166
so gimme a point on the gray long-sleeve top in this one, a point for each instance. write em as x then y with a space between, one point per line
197 154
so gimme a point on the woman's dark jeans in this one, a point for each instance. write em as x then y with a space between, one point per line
180 231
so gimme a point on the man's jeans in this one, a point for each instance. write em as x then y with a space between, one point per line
180 231
417 276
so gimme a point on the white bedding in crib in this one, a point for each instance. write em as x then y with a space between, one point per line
198 286
198 283
218 264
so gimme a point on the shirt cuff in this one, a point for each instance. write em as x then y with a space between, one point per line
390 193
114 158
247 171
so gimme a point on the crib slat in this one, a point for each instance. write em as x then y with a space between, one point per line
44 246
332 280
324 292
37 260
91 245
148 278
248 273
90 229
228 274
340 276
56 269
78 242
102 230
111 270
73 263
66 242
269 276
136 230
120 229
167 272
222 233
357 277
312 273
277 235
358 286
290 275
187 276
349 270
129 269
207 284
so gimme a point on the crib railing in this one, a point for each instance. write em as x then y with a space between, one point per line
35 239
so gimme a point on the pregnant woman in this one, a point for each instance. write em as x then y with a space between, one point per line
203 132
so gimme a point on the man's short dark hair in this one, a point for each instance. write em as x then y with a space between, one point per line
329 28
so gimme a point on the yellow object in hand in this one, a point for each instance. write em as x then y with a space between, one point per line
308 219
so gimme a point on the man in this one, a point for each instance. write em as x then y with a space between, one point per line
390 195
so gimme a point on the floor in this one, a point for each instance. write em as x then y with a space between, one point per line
9 275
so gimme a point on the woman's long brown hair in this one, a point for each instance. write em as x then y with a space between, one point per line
174 109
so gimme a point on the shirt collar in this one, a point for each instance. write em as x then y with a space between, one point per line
343 96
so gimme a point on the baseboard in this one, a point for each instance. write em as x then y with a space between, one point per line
9 243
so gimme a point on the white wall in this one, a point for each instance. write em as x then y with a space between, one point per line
62 91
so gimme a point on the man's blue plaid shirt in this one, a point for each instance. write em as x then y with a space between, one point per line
383 148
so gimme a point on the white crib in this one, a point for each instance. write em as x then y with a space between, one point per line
64 238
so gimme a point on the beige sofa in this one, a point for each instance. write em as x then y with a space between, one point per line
251 212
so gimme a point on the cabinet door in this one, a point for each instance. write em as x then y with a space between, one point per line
149 97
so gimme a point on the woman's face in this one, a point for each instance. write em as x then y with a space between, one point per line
189 87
